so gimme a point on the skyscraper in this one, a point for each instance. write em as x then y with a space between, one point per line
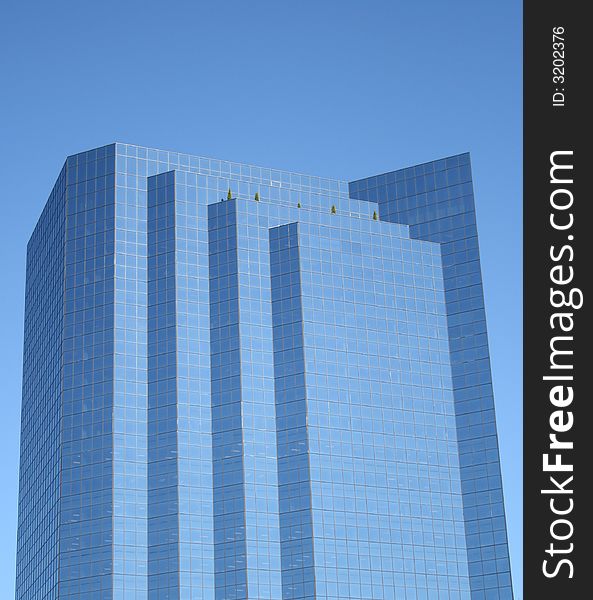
246 383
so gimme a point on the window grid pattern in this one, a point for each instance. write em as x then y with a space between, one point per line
386 492
86 525
258 407
216 177
436 200
230 550
163 503
391 489
194 413
294 480
39 487
251 215
151 161
130 391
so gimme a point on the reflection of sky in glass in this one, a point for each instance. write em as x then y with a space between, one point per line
257 399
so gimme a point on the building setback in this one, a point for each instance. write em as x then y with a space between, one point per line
246 383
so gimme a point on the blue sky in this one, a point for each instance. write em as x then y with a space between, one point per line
342 89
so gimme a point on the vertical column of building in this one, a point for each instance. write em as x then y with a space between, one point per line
230 558
436 200
194 418
294 484
257 402
163 505
86 526
39 484
130 387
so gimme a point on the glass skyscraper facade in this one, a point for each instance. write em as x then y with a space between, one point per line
243 383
